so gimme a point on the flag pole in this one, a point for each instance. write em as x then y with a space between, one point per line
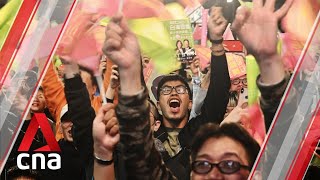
101 88
120 6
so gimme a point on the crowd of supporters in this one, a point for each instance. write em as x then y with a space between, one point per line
193 130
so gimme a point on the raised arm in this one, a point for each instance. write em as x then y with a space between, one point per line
81 114
54 94
216 100
142 160
106 136
261 42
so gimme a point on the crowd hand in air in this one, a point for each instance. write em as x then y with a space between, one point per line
217 24
257 30
194 66
122 47
237 115
105 132
103 65
114 82
114 78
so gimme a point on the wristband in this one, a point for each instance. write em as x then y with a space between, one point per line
102 161
216 41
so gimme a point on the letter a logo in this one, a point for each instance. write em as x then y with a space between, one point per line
39 120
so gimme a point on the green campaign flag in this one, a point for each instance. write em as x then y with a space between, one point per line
247 4
7 16
154 42
252 74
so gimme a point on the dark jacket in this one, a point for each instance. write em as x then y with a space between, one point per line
72 166
213 110
82 115
271 97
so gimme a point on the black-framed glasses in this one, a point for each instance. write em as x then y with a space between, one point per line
225 167
180 89
237 81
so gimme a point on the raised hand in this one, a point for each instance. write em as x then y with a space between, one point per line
103 64
237 115
121 45
257 27
114 78
105 132
217 24
257 30
194 66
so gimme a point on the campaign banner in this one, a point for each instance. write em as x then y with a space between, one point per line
181 36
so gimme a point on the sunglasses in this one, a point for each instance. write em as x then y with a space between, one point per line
225 167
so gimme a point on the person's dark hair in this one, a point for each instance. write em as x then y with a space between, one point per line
93 79
65 117
231 130
173 77
186 40
14 173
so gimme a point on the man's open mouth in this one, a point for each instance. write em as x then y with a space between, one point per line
174 105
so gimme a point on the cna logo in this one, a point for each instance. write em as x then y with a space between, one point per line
46 155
